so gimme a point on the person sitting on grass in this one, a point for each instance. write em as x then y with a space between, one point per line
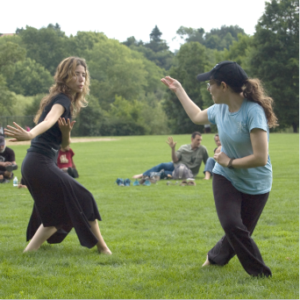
7 162
191 155
211 162
65 161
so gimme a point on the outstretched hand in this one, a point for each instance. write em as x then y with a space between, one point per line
171 83
171 142
65 126
18 133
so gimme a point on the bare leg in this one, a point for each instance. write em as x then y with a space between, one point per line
7 174
207 175
101 245
41 235
138 176
206 263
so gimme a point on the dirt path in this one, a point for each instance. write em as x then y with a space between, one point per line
74 140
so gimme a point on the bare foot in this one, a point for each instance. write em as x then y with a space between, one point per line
138 176
30 250
207 176
206 263
21 186
106 251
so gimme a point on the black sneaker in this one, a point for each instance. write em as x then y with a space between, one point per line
4 180
11 168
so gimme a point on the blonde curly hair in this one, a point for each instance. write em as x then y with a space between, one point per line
63 76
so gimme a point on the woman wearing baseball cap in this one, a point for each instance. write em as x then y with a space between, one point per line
243 172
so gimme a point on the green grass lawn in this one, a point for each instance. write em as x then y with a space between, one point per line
159 235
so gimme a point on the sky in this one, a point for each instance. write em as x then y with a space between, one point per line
120 19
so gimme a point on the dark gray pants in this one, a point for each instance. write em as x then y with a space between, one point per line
238 214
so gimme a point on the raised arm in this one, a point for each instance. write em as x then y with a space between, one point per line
196 115
172 144
20 134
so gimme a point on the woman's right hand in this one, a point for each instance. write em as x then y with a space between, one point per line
173 84
18 133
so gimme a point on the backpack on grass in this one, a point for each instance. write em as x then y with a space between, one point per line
181 171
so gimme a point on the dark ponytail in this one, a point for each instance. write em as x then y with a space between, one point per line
254 91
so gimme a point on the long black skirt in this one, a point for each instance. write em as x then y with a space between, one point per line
59 200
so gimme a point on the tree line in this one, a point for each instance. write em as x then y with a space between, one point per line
126 96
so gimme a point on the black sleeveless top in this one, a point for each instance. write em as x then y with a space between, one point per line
48 143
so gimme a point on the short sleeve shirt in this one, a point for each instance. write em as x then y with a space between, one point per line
48 143
192 158
7 155
234 132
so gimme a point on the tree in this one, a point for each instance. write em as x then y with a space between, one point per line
30 78
192 35
10 54
89 120
7 98
33 107
131 41
275 58
47 46
219 39
191 60
155 35
156 43
117 70
156 50
240 52
82 41
162 59
234 31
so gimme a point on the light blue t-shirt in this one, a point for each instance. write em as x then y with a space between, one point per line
234 132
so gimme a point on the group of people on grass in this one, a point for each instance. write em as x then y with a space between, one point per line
190 155
242 171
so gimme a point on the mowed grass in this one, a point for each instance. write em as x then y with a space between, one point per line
159 235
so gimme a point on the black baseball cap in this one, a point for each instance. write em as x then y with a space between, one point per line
227 71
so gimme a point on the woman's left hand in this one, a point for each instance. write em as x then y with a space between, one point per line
65 126
18 133
222 159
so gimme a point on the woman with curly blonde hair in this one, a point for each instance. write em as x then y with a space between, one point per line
60 202
242 176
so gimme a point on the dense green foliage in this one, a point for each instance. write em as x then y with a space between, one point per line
215 39
191 59
276 57
156 50
10 53
30 78
159 235
132 70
